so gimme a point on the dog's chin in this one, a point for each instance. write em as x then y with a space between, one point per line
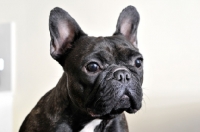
124 104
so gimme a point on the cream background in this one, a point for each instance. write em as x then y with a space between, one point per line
168 38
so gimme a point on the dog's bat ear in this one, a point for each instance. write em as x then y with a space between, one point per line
63 31
127 24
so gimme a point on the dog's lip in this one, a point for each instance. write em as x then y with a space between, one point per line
125 100
134 103
135 106
130 110
130 104
126 103
91 113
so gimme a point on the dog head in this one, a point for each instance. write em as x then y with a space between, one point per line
104 74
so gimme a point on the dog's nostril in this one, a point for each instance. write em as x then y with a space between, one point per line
128 77
122 76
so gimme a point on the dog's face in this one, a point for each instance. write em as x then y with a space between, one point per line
104 74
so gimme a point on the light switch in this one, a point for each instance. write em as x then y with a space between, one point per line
1 64
7 41
7 65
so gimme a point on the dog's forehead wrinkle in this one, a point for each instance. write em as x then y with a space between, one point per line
99 49
111 52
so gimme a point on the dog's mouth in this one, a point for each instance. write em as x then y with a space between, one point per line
125 103
128 104
112 97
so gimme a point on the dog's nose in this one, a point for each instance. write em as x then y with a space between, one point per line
122 75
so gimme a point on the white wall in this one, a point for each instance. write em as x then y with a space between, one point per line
168 38
6 111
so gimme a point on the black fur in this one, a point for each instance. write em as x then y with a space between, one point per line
82 95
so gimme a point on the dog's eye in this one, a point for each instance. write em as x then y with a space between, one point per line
92 67
138 62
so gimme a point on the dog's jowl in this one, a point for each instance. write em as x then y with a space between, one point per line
102 78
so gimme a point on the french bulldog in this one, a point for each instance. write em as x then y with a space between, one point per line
102 78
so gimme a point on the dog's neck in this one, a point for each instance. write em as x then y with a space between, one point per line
67 109
90 127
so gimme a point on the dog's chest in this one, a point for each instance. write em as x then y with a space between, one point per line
91 126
